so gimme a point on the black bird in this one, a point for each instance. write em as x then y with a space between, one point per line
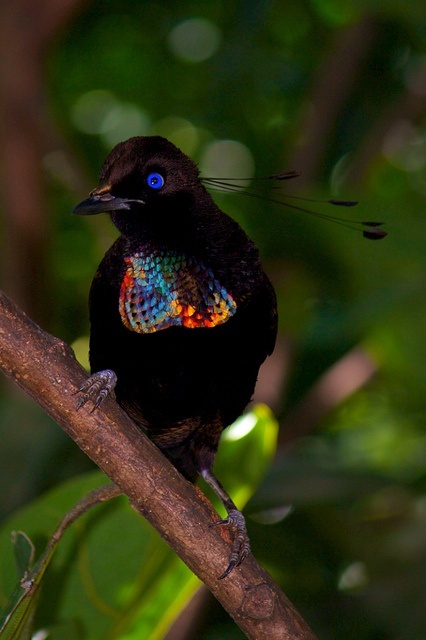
182 314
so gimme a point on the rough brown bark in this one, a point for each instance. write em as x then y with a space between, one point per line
46 369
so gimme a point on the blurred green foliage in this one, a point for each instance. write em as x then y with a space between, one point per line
340 519
76 587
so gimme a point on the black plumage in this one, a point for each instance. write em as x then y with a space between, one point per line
182 314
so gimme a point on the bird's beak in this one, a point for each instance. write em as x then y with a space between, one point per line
101 203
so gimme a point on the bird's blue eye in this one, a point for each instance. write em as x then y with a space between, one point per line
155 180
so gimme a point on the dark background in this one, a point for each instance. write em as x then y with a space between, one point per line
333 89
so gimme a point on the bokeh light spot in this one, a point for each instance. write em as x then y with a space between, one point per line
194 40
336 12
179 131
227 159
123 121
405 146
90 110
101 113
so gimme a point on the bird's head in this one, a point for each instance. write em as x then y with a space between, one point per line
146 182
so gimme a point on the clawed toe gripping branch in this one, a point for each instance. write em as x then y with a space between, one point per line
241 544
96 388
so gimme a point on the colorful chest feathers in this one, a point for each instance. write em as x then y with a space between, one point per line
162 289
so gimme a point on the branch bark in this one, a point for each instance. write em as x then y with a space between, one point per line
46 369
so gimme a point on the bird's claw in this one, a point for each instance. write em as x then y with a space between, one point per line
96 388
241 545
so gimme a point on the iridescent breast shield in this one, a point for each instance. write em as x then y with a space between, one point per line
161 289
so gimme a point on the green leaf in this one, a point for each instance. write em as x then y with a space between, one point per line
111 575
245 453
16 621
24 552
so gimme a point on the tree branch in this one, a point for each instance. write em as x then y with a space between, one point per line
340 381
409 107
27 29
47 370
333 84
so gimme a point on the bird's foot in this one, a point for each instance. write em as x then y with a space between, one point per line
241 545
97 388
